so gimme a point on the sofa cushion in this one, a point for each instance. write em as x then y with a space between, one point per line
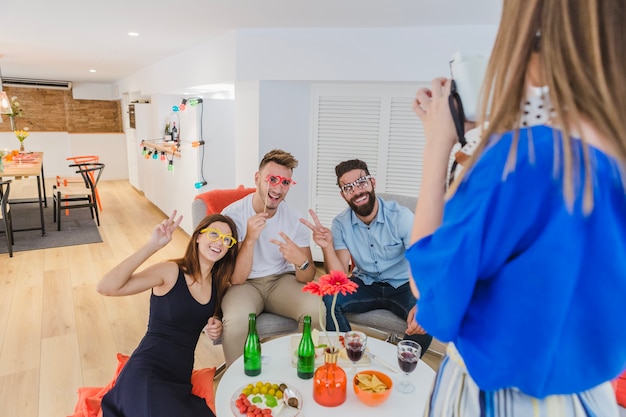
214 201
403 200
270 325
379 319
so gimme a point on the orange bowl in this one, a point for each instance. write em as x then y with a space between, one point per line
370 398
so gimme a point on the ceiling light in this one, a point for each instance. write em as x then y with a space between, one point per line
92 70
133 34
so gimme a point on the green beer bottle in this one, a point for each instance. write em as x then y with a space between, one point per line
252 349
306 352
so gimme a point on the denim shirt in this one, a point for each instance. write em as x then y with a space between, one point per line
378 248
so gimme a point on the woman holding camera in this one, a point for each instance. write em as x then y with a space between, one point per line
521 264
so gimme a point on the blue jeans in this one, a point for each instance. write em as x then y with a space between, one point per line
371 297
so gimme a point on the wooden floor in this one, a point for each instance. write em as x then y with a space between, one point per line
56 332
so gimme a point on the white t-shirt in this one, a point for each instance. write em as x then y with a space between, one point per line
267 258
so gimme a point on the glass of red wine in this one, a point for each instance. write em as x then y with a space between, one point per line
409 353
355 346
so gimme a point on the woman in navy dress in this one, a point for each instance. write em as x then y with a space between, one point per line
186 297
521 266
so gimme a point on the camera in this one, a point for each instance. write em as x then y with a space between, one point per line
468 72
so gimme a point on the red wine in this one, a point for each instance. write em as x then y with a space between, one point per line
407 361
354 351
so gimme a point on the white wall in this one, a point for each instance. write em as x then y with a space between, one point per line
213 122
218 133
94 91
284 123
163 105
210 62
56 146
370 54
246 156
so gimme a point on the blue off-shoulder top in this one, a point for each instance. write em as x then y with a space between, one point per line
532 292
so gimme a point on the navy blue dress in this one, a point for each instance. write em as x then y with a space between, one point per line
156 380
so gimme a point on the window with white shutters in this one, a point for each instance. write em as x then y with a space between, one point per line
374 123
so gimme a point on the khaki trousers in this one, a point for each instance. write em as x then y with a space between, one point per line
278 294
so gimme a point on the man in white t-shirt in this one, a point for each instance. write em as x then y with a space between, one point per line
274 260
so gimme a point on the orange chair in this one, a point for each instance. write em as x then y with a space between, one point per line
78 195
82 159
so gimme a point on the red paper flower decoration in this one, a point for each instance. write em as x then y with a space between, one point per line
314 288
331 284
337 282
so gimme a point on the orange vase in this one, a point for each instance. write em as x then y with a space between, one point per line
329 381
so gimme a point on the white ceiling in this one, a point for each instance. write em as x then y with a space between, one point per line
63 40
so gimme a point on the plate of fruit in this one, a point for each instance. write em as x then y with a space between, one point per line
266 399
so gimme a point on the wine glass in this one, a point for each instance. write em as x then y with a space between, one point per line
409 353
355 346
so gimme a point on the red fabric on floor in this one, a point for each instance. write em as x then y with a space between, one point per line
90 398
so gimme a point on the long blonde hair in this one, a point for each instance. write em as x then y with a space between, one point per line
582 50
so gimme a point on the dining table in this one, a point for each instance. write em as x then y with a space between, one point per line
24 165
277 367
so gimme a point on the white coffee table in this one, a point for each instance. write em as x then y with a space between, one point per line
277 367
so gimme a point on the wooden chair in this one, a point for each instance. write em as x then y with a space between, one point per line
5 213
78 195
81 159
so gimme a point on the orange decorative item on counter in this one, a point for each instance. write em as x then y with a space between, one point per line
329 381
10 155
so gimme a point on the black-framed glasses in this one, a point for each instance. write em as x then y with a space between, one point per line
275 180
360 183
214 234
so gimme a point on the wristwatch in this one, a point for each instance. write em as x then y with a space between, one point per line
304 265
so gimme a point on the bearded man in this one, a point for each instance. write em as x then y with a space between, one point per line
371 235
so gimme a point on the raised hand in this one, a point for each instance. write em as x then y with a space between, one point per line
162 233
431 106
256 224
321 234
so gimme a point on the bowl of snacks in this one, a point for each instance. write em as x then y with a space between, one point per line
372 387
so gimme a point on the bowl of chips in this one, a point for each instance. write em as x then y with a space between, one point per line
372 387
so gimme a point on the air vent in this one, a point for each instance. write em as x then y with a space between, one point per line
31 83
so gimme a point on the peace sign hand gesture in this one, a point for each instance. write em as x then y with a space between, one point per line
291 252
162 232
321 234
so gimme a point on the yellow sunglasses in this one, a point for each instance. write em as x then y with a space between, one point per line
213 235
